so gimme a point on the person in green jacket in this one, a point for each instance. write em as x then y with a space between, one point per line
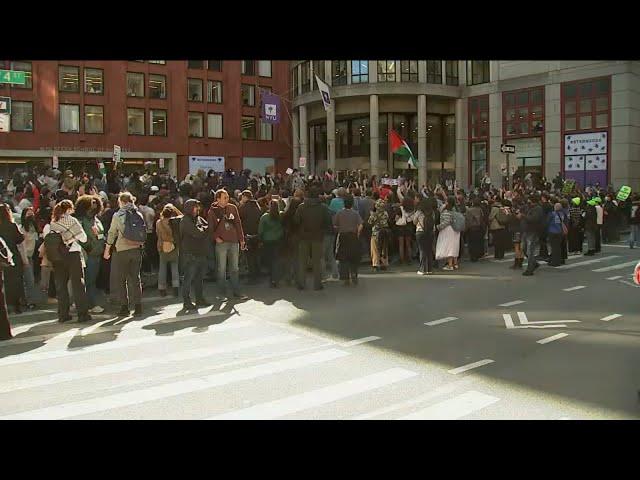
88 207
271 235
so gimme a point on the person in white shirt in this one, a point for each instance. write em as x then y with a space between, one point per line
599 221
72 268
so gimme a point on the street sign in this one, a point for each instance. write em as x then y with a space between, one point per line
5 105
116 153
12 76
5 122
54 162
504 148
303 162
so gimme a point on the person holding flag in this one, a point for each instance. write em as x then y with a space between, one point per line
400 147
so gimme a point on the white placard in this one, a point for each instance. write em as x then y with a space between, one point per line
585 143
289 171
54 162
303 162
117 153
5 122
206 163
161 162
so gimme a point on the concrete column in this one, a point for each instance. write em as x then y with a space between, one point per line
327 72
422 140
374 140
331 136
295 127
304 134
422 71
373 71
443 70
462 144
462 72
495 156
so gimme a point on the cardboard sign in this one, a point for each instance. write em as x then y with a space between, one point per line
54 162
624 193
568 186
303 162
161 162
389 181
289 171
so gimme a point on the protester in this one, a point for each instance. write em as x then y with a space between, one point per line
168 245
31 233
194 235
476 223
532 227
87 210
6 261
250 215
314 220
348 225
424 219
448 244
380 236
12 237
271 234
634 221
556 222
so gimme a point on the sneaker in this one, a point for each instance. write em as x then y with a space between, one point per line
428 273
96 309
189 306
456 267
420 272
448 268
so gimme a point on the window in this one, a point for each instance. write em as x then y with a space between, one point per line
68 79
359 141
135 121
342 139
264 68
69 118
478 162
157 86
194 89
93 119
248 95
523 112
383 137
359 71
586 104
305 76
214 91
195 64
386 71
318 71
215 65
409 70
23 67
158 119
477 72
22 116
266 131
248 67
338 72
196 122
294 82
214 125
451 72
248 127
135 84
158 62
479 117
320 141
434 71
93 81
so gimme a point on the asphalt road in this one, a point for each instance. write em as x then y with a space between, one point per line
468 344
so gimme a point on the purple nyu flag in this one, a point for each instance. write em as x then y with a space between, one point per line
270 107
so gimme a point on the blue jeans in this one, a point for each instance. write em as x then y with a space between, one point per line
32 294
531 242
227 256
330 265
168 259
194 270
634 236
91 277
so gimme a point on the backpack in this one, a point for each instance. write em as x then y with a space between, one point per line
457 221
6 257
135 228
57 251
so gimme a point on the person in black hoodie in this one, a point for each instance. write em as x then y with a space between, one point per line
532 226
314 220
194 236
250 214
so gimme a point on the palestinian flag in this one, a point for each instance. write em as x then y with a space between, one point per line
400 147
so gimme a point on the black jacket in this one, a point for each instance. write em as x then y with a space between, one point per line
314 219
250 214
193 239
533 221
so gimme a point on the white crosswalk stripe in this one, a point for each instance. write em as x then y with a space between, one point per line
316 398
586 262
454 408
616 267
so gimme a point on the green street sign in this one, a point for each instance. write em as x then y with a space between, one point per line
12 76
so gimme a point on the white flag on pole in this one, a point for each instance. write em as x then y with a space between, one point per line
324 93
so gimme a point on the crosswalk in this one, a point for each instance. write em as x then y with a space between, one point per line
211 374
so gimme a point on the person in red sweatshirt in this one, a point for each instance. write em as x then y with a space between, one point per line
227 234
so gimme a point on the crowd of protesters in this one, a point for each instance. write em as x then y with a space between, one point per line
116 231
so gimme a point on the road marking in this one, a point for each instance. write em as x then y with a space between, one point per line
614 278
616 267
577 287
552 338
317 398
523 320
159 392
586 262
511 304
611 317
92 372
508 322
359 341
116 344
442 320
470 366
629 283
504 260
454 408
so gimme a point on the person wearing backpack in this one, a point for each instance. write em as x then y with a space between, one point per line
62 239
634 221
448 245
128 233
556 229
475 223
